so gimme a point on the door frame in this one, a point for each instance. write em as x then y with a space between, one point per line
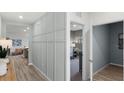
81 46
123 49
67 55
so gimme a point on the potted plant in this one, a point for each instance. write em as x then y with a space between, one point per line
3 52
3 60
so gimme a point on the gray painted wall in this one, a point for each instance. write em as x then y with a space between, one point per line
116 54
100 46
48 45
105 45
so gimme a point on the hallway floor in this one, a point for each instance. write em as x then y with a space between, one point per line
75 74
18 70
110 73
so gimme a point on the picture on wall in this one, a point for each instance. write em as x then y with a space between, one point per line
16 42
120 40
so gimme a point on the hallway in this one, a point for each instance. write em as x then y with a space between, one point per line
75 74
18 70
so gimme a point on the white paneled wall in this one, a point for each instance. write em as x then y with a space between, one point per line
48 43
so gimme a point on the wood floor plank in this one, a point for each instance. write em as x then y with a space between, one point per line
110 73
26 72
18 70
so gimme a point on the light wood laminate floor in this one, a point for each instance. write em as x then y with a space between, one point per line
18 70
110 73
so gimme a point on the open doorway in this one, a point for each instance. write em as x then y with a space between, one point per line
108 52
19 34
76 49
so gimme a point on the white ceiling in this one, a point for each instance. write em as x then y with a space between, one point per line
17 31
28 17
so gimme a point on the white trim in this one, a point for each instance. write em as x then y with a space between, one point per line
30 64
90 59
101 69
84 54
54 66
67 60
40 71
116 64
123 49
91 70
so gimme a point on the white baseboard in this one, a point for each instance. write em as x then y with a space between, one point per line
30 64
40 71
100 69
116 64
